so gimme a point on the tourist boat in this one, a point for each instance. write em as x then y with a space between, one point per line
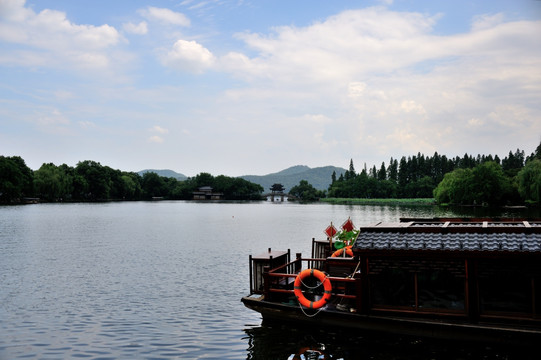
463 279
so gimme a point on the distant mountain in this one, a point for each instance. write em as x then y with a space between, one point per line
319 177
165 173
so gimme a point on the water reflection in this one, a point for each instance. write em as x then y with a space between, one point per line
282 341
164 279
503 212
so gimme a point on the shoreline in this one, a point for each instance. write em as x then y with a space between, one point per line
360 201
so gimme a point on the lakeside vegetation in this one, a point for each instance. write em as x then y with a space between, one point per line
91 181
415 180
357 201
482 180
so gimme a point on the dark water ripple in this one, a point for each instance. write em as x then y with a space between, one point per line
161 280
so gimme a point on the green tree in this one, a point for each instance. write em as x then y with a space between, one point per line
183 190
484 184
454 188
53 183
529 182
422 188
153 185
306 192
277 188
513 162
403 174
204 179
393 170
489 184
382 172
243 190
333 178
232 188
96 181
350 174
131 186
16 179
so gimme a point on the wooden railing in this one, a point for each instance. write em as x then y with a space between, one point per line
280 280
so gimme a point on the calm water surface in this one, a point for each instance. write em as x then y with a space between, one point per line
163 280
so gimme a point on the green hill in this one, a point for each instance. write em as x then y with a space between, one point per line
165 173
319 177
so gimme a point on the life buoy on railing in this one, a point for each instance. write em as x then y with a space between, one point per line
327 288
339 252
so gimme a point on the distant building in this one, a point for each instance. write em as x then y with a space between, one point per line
205 193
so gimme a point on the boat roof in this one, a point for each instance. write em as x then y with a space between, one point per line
453 234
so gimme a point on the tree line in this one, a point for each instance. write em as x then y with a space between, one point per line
466 180
91 181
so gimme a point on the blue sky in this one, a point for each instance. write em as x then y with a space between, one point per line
253 87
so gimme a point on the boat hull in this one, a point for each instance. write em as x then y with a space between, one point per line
429 328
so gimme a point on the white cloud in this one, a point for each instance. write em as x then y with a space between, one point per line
156 139
352 42
475 123
51 122
52 39
371 83
159 129
55 117
14 10
486 21
411 106
356 89
189 56
87 124
139 29
389 83
165 16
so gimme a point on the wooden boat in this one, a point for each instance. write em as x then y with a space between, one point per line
464 279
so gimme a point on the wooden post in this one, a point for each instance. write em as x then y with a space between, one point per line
534 309
330 240
266 284
472 290
359 294
298 262
251 278
363 305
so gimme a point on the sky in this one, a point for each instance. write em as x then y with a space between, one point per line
251 87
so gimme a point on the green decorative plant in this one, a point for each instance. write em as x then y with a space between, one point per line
345 238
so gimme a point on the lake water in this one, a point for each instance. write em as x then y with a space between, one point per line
163 280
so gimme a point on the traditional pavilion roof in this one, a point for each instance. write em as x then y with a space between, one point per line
487 235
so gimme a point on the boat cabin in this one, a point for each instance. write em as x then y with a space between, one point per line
429 274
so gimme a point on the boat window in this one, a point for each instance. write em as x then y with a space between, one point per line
504 287
392 285
440 289
418 283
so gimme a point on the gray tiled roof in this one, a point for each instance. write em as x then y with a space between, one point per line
444 235
448 242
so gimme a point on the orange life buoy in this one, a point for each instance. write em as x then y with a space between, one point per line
308 353
339 252
297 286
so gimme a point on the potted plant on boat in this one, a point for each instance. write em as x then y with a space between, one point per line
345 239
